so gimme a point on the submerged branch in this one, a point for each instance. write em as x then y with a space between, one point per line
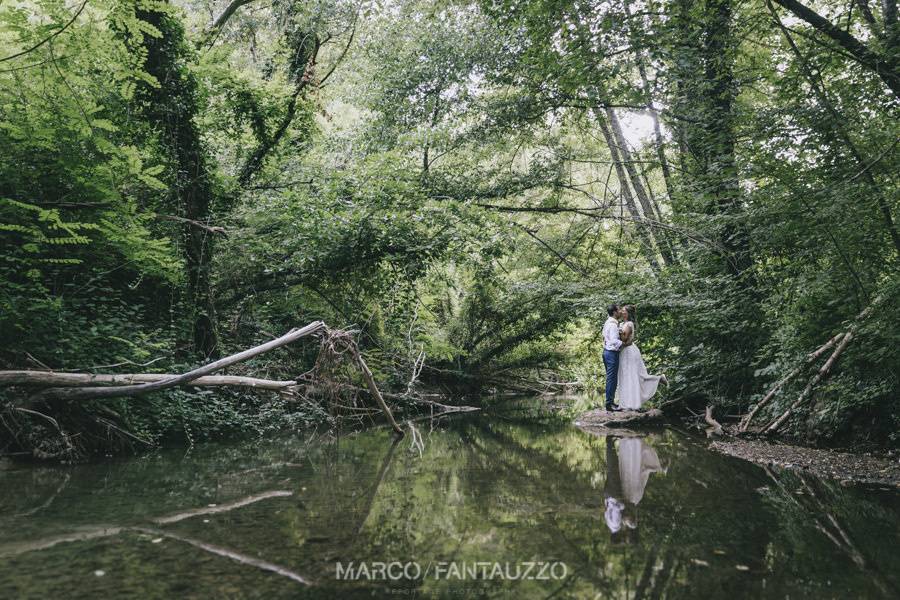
244 559
210 510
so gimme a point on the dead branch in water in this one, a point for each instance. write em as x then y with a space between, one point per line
83 533
714 427
335 345
209 510
234 555
370 381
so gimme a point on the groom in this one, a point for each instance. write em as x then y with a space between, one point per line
611 346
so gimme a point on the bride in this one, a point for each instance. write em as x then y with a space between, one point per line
636 385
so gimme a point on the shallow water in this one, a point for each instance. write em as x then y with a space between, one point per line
656 516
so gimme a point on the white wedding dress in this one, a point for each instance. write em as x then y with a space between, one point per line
636 385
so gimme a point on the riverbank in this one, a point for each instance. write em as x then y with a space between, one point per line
844 466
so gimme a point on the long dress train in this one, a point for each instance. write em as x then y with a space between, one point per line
636 385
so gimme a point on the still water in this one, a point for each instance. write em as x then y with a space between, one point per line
474 506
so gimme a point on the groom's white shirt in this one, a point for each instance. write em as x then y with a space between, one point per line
611 339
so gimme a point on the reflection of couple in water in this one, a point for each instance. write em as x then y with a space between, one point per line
627 472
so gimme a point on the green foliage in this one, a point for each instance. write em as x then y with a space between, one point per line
75 186
453 192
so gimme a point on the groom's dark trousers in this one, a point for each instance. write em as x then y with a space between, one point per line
611 362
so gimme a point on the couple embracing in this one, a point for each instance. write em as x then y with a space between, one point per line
625 369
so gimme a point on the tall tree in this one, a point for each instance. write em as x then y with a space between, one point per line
627 162
642 222
705 90
170 102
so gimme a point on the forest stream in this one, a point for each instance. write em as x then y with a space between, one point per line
642 514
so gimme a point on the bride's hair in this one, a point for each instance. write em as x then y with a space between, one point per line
630 309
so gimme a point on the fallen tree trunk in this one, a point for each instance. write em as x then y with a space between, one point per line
81 386
842 340
52 378
85 393
822 373
811 357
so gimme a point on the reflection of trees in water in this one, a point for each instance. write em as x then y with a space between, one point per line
541 483
681 518
591 551
146 486
802 500
506 490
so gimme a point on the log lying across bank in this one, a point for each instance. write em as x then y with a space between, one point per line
96 393
54 378
810 358
83 386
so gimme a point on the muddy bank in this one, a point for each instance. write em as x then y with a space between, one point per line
844 466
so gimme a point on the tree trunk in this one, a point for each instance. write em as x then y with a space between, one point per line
172 108
886 64
643 197
721 167
643 235
835 122
704 71
304 47
822 373
745 422
648 96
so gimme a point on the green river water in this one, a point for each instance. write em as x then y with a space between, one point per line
519 505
